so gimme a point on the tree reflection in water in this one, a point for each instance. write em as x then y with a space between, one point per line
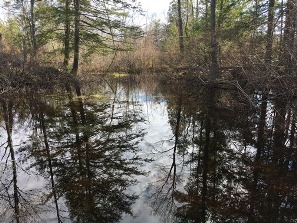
86 147
19 202
242 167
231 159
92 157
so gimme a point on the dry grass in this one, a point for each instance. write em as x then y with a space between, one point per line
145 55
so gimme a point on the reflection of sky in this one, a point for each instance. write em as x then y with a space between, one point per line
158 138
31 185
157 129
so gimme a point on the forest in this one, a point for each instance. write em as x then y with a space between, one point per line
190 120
252 39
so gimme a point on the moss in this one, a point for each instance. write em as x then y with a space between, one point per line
119 75
90 97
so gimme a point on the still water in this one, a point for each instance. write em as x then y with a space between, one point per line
134 150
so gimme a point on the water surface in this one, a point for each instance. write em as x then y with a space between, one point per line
140 150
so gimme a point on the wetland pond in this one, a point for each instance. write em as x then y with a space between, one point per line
134 150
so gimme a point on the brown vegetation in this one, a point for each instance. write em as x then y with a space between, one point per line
144 55
15 73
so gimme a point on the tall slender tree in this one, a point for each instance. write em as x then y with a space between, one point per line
180 26
76 36
289 37
67 35
214 69
269 35
33 29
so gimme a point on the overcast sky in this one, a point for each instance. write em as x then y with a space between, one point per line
155 5
155 8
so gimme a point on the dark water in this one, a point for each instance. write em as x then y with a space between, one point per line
137 150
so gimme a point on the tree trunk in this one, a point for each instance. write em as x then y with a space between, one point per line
76 36
187 18
197 9
289 36
253 41
214 69
269 35
32 29
180 27
206 9
282 22
67 35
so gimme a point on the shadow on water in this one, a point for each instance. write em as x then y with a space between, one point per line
230 156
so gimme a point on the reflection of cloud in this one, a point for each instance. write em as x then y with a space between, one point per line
141 214
158 130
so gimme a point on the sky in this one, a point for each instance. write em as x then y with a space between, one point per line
155 8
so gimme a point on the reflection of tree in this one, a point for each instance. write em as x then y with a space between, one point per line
90 154
202 194
243 164
163 198
8 119
50 166
17 205
240 163
273 190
